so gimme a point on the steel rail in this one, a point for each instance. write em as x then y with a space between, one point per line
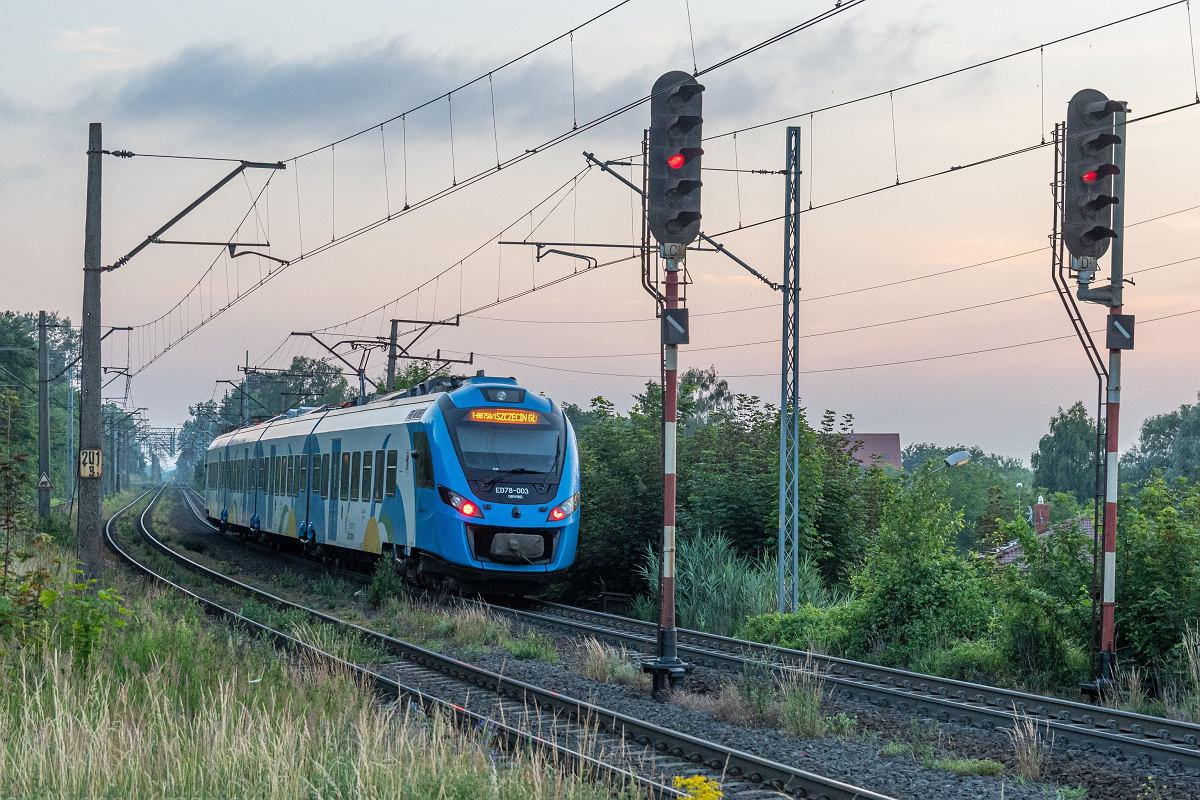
388 687
1110 731
1107 730
751 773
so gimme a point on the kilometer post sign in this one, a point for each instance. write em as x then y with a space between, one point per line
91 463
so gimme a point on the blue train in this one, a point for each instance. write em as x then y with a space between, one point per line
468 482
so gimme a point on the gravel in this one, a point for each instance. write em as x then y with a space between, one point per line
855 759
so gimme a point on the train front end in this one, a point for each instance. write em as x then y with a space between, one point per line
506 488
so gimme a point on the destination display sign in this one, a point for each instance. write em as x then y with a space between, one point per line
504 416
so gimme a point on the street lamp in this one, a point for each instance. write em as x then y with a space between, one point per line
1020 495
954 460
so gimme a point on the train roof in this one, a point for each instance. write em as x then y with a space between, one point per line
389 409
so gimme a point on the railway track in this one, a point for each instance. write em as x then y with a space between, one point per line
1109 731
647 753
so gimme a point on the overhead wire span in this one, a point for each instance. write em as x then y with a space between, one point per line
950 73
471 82
572 182
853 367
836 331
841 7
830 295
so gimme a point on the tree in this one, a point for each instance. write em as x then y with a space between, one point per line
1169 443
1065 460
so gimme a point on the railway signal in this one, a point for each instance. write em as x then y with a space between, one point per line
674 158
1091 169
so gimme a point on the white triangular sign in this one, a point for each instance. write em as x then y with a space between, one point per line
44 483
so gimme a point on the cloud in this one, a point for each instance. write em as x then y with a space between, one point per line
234 85
89 40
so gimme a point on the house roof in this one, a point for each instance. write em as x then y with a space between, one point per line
884 445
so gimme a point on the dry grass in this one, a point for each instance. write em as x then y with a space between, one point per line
174 706
796 704
1183 697
605 664
1032 744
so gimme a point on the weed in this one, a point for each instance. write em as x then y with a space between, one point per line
472 626
605 664
757 689
386 583
896 750
968 766
1031 747
1151 790
533 646
802 696
1068 793
333 590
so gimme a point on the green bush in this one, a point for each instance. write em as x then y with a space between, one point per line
916 591
978 661
386 583
824 629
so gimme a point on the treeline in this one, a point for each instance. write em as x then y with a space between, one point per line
19 407
901 567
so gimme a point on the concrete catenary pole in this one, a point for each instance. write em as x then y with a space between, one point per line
43 423
391 367
71 458
90 428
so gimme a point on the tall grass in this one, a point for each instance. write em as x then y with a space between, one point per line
175 706
716 589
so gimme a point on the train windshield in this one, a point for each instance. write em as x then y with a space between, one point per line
488 447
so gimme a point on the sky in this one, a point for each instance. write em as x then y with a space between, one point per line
272 81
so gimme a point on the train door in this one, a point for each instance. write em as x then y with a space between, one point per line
424 485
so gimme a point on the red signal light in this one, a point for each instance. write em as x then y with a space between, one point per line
468 508
557 515
676 161
1090 177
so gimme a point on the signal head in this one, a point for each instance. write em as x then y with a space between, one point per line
673 208
1089 152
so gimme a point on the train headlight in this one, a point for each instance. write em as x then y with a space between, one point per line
468 508
564 509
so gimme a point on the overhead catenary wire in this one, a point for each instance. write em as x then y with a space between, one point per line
470 82
841 7
950 73
853 367
836 331
831 295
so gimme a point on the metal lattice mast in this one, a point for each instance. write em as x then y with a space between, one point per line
789 399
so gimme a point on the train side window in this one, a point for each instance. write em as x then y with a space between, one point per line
263 464
366 475
325 476
304 474
378 474
289 474
424 460
355 473
295 475
390 480
345 483
316 472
